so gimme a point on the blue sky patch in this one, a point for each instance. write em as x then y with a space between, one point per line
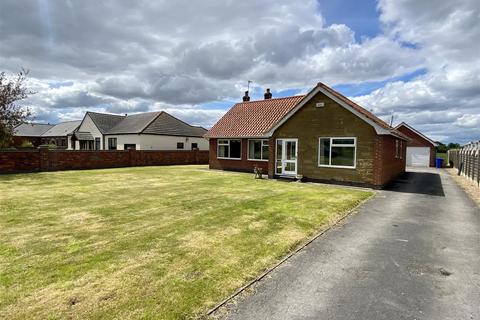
360 16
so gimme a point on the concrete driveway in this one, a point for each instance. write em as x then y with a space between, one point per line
413 252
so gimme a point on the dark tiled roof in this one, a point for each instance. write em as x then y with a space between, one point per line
62 129
254 118
166 124
31 129
105 121
134 123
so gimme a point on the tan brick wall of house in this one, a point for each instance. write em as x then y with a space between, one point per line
310 123
418 141
243 165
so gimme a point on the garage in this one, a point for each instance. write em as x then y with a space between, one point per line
421 150
418 156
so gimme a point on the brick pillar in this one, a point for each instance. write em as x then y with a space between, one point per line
271 157
44 158
131 157
195 156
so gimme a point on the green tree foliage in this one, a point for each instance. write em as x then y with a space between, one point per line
12 90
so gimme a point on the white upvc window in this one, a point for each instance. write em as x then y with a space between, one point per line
229 149
258 150
337 152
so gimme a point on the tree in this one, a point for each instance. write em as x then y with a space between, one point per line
452 145
12 90
441 148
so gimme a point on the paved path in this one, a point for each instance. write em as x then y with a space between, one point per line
392 260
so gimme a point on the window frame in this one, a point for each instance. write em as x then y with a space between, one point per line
229 149
182 144
354 146
194 147
261 150
98 140
109 145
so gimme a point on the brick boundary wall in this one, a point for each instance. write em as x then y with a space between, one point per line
56 160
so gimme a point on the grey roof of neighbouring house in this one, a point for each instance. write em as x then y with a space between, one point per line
135 123
83 135
62 129
160 123
31 129
166 124
105 121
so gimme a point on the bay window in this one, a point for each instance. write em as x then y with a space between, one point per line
229 149
337 152
258 150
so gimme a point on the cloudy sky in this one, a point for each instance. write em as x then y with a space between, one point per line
417 60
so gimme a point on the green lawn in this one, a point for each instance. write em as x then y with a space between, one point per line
151 242
444 156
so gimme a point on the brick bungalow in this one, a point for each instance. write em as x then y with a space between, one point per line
321 136
421 150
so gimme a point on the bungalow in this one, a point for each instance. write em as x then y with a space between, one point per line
421 150
143 131
322 136
36 133
60 134
30 132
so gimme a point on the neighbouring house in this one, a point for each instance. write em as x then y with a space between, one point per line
321 136
61 134
30 132
421 150
143 131
38 134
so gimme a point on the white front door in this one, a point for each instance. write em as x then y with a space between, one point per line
286 156
418 156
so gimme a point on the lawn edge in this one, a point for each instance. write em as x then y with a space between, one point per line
288 256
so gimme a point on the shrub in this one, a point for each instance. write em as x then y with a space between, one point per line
26 144
49 146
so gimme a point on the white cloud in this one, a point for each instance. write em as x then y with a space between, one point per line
176 55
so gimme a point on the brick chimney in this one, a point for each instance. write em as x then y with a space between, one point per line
246 97
267 94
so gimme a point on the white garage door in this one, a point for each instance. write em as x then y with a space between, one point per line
418 156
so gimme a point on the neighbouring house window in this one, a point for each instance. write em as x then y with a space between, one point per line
86 145
397 154
229 149
401 149
128 146
257 149
194 145
180 145
337 152
97 143
112 143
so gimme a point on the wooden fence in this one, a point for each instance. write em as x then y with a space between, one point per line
467 161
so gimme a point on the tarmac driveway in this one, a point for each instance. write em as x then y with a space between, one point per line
413 252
